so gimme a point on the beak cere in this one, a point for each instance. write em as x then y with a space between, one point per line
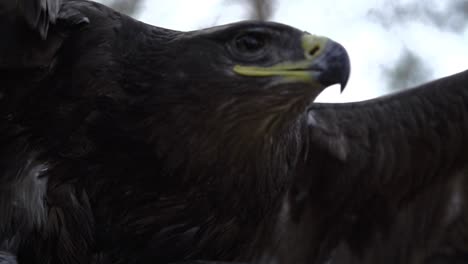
330 61
324 63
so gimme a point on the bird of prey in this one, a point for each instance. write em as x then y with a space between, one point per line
123 142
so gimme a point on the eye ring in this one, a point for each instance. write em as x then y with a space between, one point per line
250 45
250 42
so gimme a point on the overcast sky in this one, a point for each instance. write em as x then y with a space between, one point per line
368 29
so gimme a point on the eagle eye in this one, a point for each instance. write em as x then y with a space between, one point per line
250 43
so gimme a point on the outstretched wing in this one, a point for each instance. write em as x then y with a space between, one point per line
365 161
396 144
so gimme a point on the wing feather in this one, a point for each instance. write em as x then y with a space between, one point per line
39 14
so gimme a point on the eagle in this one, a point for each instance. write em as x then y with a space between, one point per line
123 142
128 143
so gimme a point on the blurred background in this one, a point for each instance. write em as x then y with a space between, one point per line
393 44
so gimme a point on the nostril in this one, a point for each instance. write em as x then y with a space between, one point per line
314 51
